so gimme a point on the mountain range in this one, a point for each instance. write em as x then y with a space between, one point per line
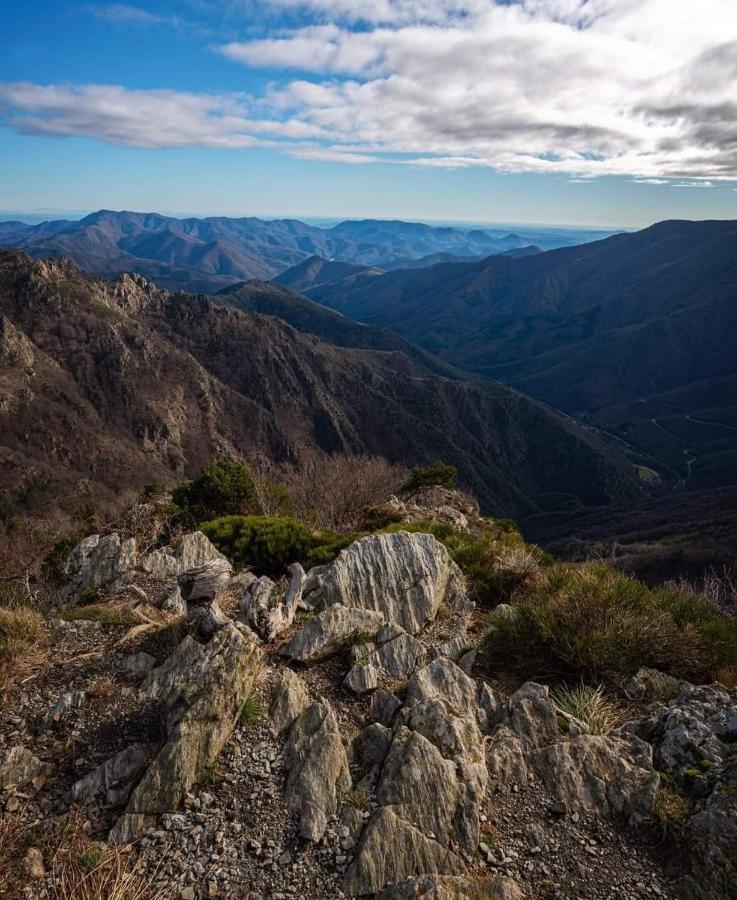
636 334
212 253
108 385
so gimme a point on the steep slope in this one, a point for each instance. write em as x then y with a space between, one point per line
586 328
106 386
212 253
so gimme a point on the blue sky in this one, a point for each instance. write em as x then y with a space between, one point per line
603 113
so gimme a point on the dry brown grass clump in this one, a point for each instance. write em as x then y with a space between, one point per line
76 866
671 810
591 705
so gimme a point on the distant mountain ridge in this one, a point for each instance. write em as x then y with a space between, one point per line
209 254
106 386
637 332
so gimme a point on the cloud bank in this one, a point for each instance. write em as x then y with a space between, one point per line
584 88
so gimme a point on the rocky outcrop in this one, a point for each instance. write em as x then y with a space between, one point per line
330 631
404 577
270 609
694 739
430 788
610 775
393 654
112 782
200 589
317 766
192 550
200 690
99 562
289 698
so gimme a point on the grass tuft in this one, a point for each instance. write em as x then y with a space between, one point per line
671 810
252 710
590 705
100 612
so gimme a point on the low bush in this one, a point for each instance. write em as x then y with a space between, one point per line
269 545
439 473
593 621
223 488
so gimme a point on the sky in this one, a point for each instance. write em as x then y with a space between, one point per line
606 113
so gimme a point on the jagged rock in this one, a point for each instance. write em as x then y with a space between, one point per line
403 576
137 665
697 728
113 781
19 767
491 707
370 749
200 588
289 699
383 708
711 843
363 677
532 716
506 761
396 654
611 776
650 684
330 631
435 503
264 608
60 710
192 550
432 783
390 850
201 690
448 887
99 562
501 612
317 764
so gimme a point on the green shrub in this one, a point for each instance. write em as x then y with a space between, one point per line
223 488
269 545
439 473
593 621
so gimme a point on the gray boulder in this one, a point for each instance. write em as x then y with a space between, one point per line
113 781
393 655
201 690
404 577
99 563
289 698
317 766
329 632
19 767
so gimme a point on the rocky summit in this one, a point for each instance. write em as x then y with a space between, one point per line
336 733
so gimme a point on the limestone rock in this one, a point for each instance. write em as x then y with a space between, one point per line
330 631
383 708
317 764
113 781
391 850
201 689
506 760
60 710
532 716
200 588
611 776
403 576
33 863
19 767
289 699
265 609
99 562
192 550
396 655
447 887
137 665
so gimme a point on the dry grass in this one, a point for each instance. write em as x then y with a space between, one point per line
599 713
107 613
671 811
77 867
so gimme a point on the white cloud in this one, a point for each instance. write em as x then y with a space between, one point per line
584 88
